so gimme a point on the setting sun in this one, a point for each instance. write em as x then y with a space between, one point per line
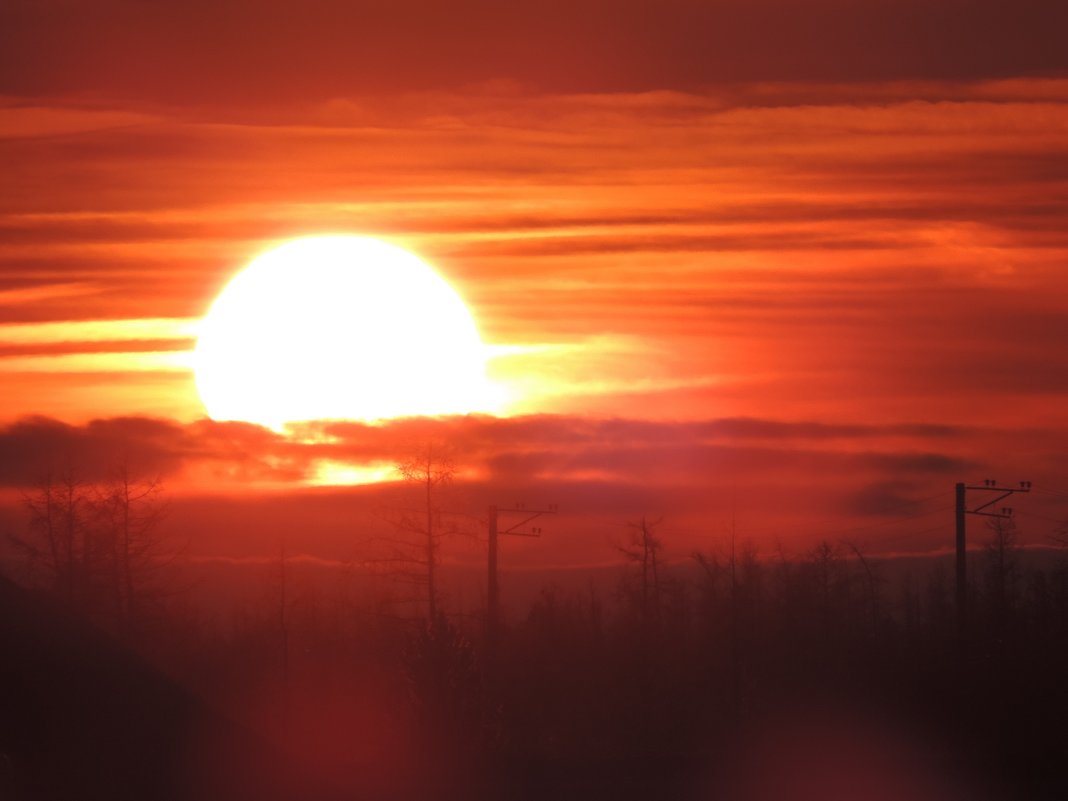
339 327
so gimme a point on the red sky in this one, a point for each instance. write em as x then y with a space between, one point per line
800 265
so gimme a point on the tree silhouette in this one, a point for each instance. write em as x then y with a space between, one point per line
429 471
825 561
443 679
731 589
100 545
58 539
1001 576
130 510
872 583
643 550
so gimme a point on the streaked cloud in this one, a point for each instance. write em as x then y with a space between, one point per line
828 249
262 54
20 121
94 363
799 263
237 487
96 331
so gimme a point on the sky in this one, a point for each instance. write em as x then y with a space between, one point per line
785 269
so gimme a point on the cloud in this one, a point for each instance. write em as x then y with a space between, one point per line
259 52
534 448
830 251
889 498
235 488
33 447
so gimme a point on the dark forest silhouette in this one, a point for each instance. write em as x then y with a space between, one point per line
99 546
698 676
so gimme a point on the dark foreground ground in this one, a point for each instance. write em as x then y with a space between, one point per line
729 699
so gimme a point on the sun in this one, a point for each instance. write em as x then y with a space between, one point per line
339 327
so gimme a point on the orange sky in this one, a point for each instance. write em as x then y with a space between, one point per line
806 282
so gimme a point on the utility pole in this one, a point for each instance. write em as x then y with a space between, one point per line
962 511
493 589
283 622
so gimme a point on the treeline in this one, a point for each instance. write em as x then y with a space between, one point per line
98 545
659 677
642 692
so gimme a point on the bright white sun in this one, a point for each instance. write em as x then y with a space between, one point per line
339 327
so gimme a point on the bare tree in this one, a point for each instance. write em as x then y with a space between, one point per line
828 584
738 569
99 545
1002 574
58 540
643 550
42 547
129 511
823 557
872 582
429 472
731 609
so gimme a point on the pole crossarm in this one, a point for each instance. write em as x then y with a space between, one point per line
1006 492
493 589
531 515
962 511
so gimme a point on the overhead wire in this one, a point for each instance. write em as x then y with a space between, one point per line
1054 493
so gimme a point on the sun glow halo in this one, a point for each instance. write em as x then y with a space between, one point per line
339 327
